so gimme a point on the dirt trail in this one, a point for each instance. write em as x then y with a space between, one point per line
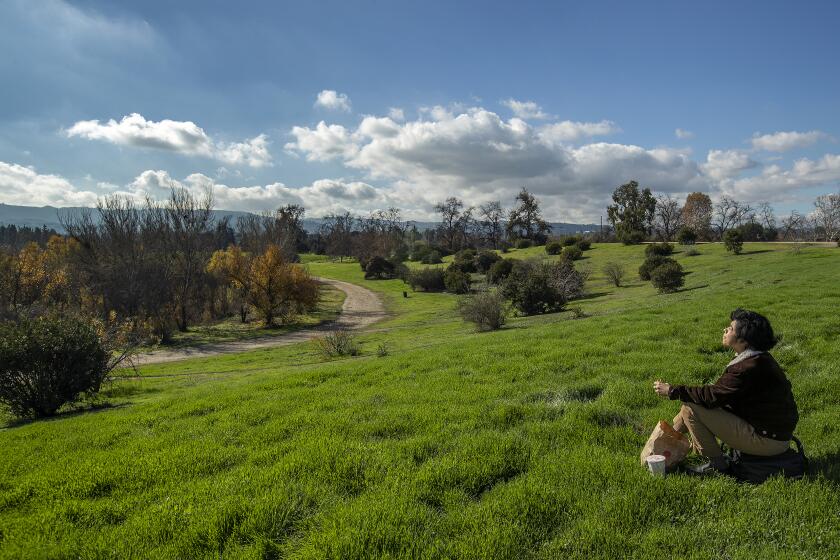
361 308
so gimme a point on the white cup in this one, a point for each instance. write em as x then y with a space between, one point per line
656 464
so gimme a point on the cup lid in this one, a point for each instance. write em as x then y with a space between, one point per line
655 458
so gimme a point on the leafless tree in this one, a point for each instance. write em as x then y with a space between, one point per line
729 213
450 228
337 231
492 215
826 215
667 217
793 226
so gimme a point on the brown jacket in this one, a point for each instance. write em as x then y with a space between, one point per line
754 389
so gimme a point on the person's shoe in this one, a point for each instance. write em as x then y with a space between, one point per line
718 465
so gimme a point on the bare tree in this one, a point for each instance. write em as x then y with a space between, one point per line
450 227
492 216
826 215
667 217
766 215
337 231
793 226
729 213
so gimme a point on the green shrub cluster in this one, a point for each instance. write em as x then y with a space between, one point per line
426 279
50 361
539 287
667 277
733 241
485 259
553 247
662 249
379 268
499 271
456 280
571 253
686 236
651 263
523 243
487 310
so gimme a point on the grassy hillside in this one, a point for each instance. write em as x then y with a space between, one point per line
521 443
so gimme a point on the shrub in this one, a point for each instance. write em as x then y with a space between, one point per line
379 268
632 237
382 350
456 280
465 259
499 271
426 279
571 240
614 272
733 241
485 259
667 277
535 287
339 342
419 250
663 249
553 247
524 243
432 257
50 361
686 236
584 244
488 310
572 253
651 263
691 252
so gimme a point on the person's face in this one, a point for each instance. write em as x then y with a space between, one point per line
729 338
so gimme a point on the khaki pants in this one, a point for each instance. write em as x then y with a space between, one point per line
705 424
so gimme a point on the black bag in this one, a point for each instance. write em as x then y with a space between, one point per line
756 469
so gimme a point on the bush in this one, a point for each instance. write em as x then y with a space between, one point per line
553 247
485 259
686 236
614 272
667 277
571 240
432 257
535 287
379 268
488 310
651 263
524 243
632 237
691 252
339 342
584 244
465 259
572 253
499 271
50 361
733 241
663 249
456 280
426 279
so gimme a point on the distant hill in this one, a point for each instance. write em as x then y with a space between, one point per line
48 215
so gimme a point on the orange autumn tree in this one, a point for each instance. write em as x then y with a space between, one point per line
277 290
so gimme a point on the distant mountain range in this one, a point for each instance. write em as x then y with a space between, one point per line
48 216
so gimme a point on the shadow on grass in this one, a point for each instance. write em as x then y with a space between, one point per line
76 411
826 465
700 287
592 295
757 251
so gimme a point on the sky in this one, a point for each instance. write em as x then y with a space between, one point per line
365 105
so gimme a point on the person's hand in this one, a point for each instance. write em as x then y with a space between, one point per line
662 389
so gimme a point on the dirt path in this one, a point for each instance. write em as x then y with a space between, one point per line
361 308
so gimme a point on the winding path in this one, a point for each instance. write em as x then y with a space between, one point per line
361 308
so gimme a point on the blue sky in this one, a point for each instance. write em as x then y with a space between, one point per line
363 105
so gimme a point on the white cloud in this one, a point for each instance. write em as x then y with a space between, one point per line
784 141
776 183
570 131
525 109
332 100
183 137
324 142
396 114
683 134
26 187
725 164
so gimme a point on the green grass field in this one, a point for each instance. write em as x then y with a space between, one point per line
519 443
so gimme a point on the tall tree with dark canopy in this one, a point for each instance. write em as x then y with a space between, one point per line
632 213
525 221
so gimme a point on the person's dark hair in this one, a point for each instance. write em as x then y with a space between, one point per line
753 328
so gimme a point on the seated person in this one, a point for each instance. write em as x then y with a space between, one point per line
750 408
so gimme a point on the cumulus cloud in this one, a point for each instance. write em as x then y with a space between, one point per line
184 137
725 164
570 131
784 141
26 187
683 134
778 183
525 109
324 142
397 114
332 100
